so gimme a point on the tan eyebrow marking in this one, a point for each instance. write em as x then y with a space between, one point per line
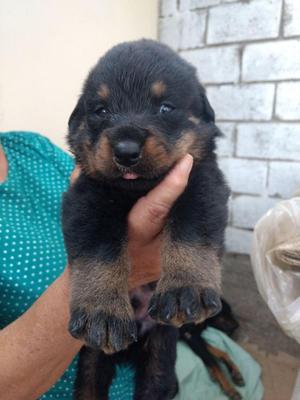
103 91
194 119
158 88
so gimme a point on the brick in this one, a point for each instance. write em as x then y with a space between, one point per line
183 31
240 102
291 18
225 144
247 210
272 61
216 64
238 240
169 33
168 7
245 176
229 205
284 178
192 27
258 19
288 101
193 4
271 141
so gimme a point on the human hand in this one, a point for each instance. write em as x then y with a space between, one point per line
75 174
146 221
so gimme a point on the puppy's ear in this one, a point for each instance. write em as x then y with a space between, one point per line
77 116
201 106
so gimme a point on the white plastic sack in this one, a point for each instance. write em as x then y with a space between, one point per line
278 280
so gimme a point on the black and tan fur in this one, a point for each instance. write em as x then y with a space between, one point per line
141 110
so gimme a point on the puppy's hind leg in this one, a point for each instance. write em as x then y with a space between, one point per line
94 375
210 356
155 371
232 368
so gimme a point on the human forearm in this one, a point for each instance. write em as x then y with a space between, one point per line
37 348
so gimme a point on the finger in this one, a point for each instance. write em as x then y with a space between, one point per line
151 211
173 185
75 174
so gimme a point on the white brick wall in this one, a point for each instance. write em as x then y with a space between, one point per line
284 179
241 21
288 100
245 176
194 4
247 53
207 63
246 210
192 29
292 18
240 102
272 61
271 140
168 7
225 144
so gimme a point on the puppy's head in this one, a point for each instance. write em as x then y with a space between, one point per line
141 110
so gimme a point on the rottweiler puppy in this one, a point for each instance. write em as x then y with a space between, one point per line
142 109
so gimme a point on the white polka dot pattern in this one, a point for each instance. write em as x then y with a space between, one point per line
32 254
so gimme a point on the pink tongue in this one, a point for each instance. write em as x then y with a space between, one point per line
130 175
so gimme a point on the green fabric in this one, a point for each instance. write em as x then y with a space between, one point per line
32 256
32 253
194 378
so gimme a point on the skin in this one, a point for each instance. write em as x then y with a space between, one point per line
37 348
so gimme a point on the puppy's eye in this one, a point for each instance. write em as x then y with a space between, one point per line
165 108
101 110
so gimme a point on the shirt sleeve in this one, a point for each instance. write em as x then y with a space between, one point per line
60 159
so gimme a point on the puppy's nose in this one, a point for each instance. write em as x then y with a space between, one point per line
127 152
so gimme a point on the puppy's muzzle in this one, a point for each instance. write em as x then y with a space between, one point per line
127 152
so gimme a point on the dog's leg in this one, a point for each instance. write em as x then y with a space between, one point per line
155 372
189 288
95 236
232 368
100 309
94 375
210 356
218 375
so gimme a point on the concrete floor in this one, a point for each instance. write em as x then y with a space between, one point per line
259 332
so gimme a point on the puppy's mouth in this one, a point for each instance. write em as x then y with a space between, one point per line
127 173
130 176
139 177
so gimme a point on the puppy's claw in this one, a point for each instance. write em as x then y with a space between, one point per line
168 317
101 330
238 379
211 301
152 309
77 323
181 305
133 334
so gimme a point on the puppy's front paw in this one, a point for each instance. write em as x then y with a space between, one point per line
102 330
181 305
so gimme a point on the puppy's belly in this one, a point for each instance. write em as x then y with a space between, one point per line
140 298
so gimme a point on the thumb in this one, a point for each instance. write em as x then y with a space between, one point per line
147 217
75 174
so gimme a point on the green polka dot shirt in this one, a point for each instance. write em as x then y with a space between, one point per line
32 253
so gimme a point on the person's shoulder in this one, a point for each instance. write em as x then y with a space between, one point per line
39 147
29 140
32 140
